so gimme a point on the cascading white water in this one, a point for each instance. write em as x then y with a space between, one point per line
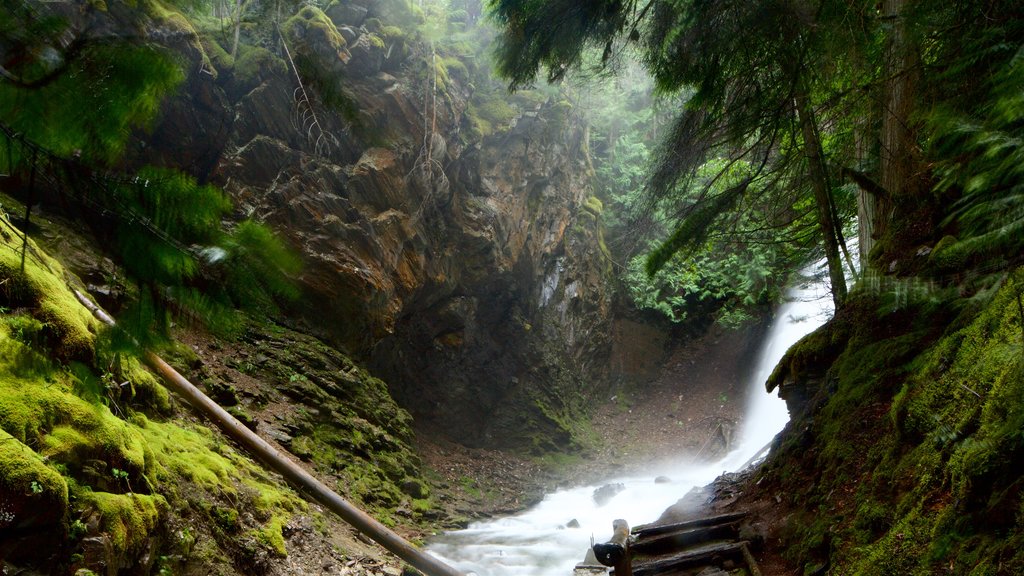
538 542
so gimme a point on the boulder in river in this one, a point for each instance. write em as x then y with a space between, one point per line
605 493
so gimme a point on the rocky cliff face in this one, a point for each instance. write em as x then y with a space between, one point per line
468 271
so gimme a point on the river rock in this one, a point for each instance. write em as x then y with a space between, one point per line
605 493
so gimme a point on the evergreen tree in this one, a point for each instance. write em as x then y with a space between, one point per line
755 72
69 103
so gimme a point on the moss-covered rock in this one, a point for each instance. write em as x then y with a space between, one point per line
67 327
310 32
33 500
253 64
84 466
127 520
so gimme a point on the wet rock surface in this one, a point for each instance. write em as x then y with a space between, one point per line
468 273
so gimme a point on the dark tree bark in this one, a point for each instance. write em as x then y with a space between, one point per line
897 138
822 199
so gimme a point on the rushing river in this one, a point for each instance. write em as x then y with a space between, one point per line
538 542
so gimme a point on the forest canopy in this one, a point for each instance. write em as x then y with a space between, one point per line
800 124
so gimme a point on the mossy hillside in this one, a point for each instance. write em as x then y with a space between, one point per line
66 327
113 464
39 404
74 445
339 417
208 482
937 403
83 441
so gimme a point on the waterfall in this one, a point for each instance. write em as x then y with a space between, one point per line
540 541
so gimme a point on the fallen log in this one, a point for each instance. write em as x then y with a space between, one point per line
686 538
709 555
305 482
647 530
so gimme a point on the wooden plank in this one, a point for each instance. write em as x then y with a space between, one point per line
645 530
709 555
674 541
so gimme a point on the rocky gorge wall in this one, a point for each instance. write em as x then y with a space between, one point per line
466 267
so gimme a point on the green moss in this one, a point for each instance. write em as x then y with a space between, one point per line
190 454
528 99
272 536
126 376
191 462
311 27
181 27
494 110
457 70
255 62
375 40
593 205
219 57
422 506
374 25
145 473
128 519
272 499
24 473
391 33
68 328
939 406
40 407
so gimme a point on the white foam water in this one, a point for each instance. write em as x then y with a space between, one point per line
538 542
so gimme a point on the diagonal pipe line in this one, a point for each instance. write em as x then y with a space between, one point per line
277 460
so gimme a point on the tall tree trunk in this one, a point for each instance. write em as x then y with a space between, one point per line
897 155
863 142
866 211
238 28
819 184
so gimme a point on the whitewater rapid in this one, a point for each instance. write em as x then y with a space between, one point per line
540 541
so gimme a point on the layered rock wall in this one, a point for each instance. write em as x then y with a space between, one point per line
469 272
